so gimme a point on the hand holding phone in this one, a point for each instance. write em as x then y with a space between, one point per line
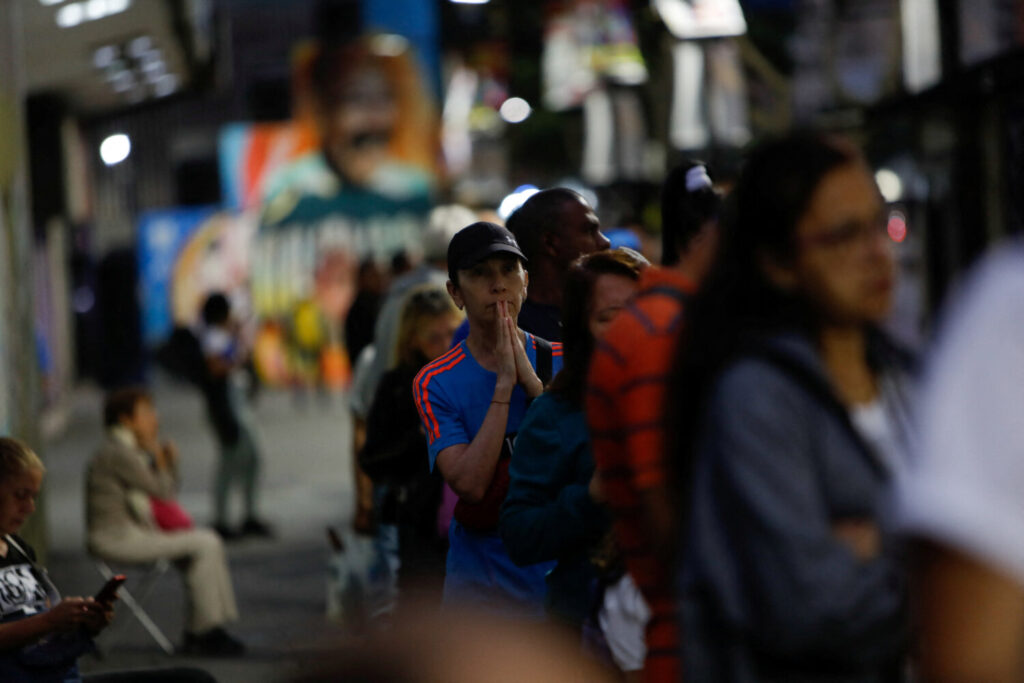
108 593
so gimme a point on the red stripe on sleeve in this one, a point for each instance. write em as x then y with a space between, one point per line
433 428
418 380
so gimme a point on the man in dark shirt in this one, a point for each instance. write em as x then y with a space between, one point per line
554 228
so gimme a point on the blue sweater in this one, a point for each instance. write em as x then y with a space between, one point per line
548 513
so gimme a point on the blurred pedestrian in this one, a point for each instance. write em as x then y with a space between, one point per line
228 412
626 401
376 359
794 408
362 316
129 468
393 454
553 509
961 497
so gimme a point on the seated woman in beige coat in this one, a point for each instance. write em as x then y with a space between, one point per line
130 469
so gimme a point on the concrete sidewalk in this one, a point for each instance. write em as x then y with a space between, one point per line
280 584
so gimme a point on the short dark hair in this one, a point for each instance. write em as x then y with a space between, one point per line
685 208
216 309
121 403
540 214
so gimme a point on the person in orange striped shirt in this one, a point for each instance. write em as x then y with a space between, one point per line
625 404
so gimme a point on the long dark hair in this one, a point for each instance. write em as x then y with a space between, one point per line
688 202
774 190
577 301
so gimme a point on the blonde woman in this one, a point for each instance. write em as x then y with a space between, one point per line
393 455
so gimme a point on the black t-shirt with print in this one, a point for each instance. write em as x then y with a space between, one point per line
22 594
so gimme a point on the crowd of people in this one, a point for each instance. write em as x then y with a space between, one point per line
724 471
717 468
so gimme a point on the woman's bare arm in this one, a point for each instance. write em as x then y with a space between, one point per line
971 619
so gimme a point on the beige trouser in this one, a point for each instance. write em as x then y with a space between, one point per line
198 553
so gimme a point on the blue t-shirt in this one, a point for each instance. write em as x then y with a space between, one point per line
539 319
461 332
453 394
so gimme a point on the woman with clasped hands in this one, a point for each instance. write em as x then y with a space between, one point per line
471 401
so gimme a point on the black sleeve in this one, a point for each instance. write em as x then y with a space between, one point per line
395 447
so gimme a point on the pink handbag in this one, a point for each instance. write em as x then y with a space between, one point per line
169 515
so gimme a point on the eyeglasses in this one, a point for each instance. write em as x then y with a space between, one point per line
847 236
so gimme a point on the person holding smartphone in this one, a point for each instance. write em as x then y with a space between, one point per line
41 634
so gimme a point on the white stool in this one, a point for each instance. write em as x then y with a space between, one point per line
143 587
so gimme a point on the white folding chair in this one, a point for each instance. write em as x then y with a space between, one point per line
143 587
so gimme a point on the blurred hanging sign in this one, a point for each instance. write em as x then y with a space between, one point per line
693 19
587 43
988 28
922 44
863 72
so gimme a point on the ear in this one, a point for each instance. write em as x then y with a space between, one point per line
706 233
453 292
549 243
778 272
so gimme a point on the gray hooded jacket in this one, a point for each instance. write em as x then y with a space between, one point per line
768 592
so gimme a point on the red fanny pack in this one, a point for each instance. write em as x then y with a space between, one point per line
485 513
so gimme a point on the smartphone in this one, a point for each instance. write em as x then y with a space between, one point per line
108 593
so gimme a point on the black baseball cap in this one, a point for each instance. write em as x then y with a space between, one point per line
477 241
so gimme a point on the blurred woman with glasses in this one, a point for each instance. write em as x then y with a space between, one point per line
787 421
